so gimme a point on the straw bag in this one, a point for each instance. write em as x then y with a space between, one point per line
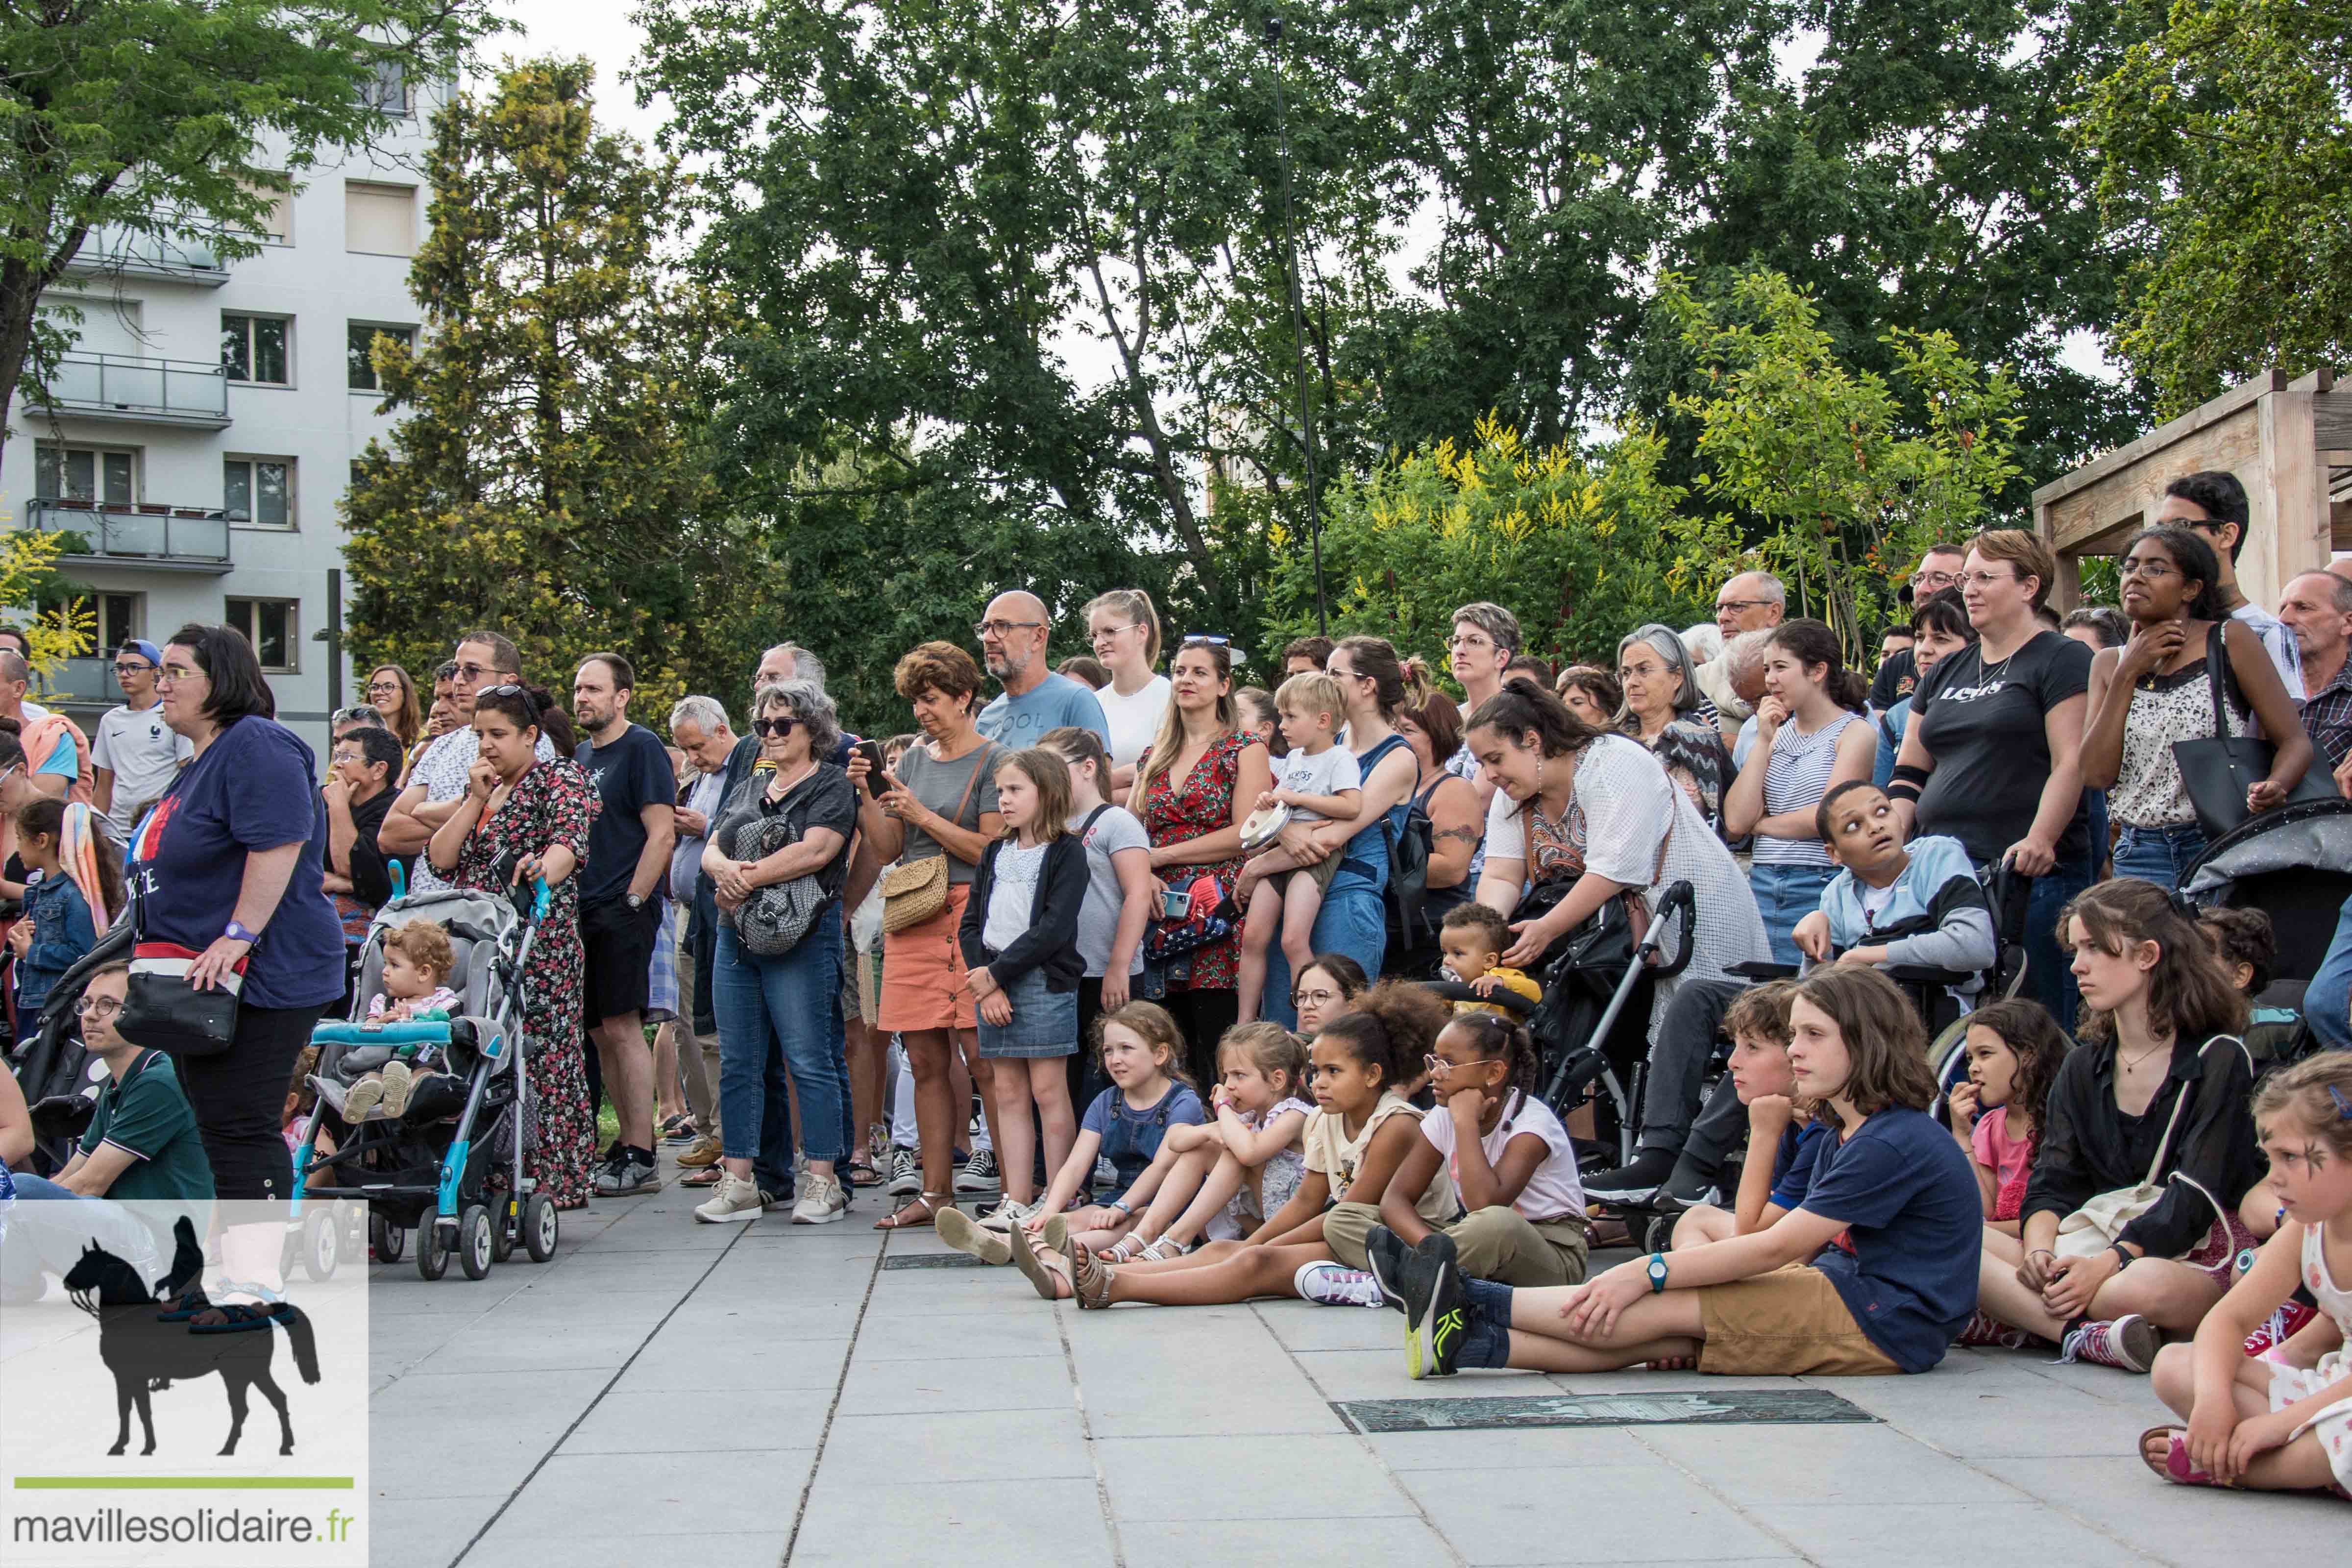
915 891
2099 1224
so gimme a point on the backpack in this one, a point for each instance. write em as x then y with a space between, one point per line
1405 900
40 739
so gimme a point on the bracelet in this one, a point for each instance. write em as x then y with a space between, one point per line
1120 1204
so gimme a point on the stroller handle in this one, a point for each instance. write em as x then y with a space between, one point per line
1681 898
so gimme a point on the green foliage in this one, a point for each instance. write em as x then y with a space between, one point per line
63 623
545 479
2223 148
1850 486
1581 545
149 117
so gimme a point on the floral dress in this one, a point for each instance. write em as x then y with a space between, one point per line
552 803
1203 805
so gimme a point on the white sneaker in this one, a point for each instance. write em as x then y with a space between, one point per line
1004 1215
1336 1285
822 1201
734 1198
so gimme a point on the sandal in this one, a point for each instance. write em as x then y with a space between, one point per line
1127 1248
909 1218
678 1128
1056 1231
1161 1249
862 1174
1037 1270
2177 1467
708 1177
1089 1281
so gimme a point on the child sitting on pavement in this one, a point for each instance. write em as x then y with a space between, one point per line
1474 939
1319 782
417 957
1757 1022
1917 904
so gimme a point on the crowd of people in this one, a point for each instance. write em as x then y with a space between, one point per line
1240 976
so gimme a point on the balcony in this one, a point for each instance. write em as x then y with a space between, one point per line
82 683
136 533
119 253
119 388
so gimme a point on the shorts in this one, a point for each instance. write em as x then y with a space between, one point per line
1320 874
1790 1323
1044 1022
852 1007
923 970
617 945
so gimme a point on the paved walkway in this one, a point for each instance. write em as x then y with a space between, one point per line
682 1396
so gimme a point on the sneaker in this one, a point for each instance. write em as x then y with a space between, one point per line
906 1175
1634 1184
629 1174
398 1080
2128 1343
822 1201
1105 1174
1436 1315
362 1098
2280 1327
1008 1214
734 1199
770 1202
1689 1187
979 1174
703 1152
1384 1252
1330 1284
1982 1332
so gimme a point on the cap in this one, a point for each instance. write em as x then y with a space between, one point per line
145 650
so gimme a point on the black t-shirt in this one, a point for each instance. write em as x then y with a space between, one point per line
1984 729
1898 672
825 799
631 774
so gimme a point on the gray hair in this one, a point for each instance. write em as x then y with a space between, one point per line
805 700
1744 652
1668 644
13 667
704 712
806 666
1768 588
1496 622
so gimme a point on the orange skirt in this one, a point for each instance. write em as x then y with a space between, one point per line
923 971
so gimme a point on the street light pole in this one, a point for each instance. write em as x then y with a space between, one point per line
1299 331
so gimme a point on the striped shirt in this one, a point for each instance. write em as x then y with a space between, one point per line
1795 780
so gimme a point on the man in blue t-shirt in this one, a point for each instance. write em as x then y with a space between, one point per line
1013 636
620 904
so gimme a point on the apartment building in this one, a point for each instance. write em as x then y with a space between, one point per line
199 435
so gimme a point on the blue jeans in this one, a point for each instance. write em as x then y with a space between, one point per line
2159 855
1784 895
779 1015
1352 920
2329 998
47 1228
2049 972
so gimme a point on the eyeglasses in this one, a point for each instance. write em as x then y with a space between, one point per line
1925 577
773 728
1985 579
1472 641
374 686
122 669
1108 633
98 1007
470 671
2152 570
169 676
1313 999
1739 606
1003 628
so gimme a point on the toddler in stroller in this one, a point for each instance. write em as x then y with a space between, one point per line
417 959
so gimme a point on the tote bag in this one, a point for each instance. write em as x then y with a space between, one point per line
2099 1224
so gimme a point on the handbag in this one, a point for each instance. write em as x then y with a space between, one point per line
2217 771
1209 917
162 1010
915 891
771 921
2099 1224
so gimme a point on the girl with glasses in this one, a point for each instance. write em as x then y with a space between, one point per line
1125 629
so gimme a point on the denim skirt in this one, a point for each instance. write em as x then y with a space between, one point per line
1044 1022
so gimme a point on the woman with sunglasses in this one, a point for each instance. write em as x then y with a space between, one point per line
231 865
523 818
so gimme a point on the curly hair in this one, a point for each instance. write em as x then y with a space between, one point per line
939 666
2037 1042
425 944
1392 1027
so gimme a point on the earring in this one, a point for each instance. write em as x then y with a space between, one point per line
1540 760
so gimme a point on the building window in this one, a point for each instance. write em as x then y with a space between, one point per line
379 220
389 90
258 491
278 216
81 473
360 341
113 618
253 349
268 626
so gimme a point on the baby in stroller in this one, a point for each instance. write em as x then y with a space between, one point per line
417 959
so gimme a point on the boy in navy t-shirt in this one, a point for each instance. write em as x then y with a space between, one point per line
1757 1022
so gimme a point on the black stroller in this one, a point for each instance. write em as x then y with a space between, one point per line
1592 1027
2295 865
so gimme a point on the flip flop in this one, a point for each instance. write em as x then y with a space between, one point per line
705 1176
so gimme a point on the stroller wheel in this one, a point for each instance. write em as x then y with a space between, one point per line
350 1233
432 1248
540 1222
504 1225
474 1241
320 1244
387 1239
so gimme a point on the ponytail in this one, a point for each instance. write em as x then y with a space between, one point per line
1811 642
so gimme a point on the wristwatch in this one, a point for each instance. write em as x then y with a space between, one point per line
2122 1259
636 902
1657 1272
236 932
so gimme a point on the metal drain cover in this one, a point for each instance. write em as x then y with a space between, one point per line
1732 1407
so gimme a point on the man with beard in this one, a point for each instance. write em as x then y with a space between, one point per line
1013 634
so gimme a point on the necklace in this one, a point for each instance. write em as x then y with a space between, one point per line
2131 1064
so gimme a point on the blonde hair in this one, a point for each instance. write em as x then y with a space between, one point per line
1136 606
425 944
1050 775
2318 1093
1271 1048
1311 692
1171 739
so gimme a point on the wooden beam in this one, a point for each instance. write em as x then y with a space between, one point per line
2163 436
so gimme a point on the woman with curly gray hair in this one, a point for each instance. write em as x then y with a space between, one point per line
781 840
1666 710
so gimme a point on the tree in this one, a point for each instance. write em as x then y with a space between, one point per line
148 117
546 479
2224 149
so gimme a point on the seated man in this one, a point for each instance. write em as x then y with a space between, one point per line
142 1145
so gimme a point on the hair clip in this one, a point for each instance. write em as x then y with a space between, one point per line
2182 907
2343 1106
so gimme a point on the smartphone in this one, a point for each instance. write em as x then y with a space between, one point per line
1178 904
872 752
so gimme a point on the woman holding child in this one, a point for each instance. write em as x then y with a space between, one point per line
519 819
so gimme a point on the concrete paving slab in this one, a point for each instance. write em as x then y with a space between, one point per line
1008 1521
660 1422
1654 1513
1898 1535
1319 1543
1847 1464
934 1388
973 1445
1211 1478
594 1497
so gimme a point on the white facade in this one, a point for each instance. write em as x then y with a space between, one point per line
206 424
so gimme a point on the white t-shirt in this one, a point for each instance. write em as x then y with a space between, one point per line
1134 719
1115 830
1013 897
1554 1192
143 752
1330 1152
1333 771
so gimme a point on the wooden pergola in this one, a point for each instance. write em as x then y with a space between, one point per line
2289 442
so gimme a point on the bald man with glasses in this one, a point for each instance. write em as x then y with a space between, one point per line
1013 632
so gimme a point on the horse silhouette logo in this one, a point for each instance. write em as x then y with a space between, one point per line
148 1351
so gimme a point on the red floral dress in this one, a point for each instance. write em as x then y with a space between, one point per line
1203 805
552 803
